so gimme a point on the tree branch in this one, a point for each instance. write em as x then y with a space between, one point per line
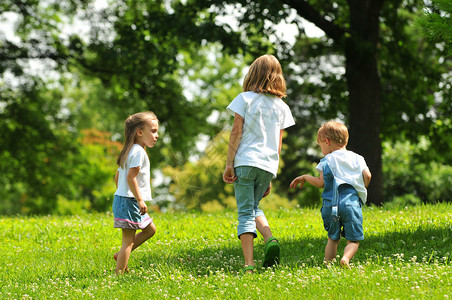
10 52
307 11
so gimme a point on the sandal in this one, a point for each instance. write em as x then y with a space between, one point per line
271 252
249 269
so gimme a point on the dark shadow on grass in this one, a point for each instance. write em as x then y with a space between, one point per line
421 245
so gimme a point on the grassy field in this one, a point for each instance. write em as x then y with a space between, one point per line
406 254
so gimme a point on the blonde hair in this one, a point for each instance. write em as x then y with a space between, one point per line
132 123
265 76
335 132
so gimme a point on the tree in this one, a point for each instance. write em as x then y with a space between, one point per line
134 57
146 52
372 63
137 54
352 31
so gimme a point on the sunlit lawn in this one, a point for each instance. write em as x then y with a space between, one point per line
406 254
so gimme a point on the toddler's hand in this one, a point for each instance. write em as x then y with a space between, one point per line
299 180
229 175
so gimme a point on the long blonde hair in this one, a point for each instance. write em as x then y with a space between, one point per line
265 76
132 123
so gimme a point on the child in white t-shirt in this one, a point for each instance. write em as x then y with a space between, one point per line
260 117
134 186
345 177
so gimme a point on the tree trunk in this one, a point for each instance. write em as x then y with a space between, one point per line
359 42
365 90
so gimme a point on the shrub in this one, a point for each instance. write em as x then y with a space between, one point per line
406 173
403 201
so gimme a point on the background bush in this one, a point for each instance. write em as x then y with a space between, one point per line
406 172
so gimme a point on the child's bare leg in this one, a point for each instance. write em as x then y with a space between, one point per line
140 238
263 227
331 250
128 238
144 235
349 251
247 241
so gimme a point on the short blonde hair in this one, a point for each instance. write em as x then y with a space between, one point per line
335 132
265 76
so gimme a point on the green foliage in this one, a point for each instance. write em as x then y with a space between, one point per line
437 22
199 185
408 176
414 76
308 196
440 138
400 202
43 160
35 143
154 48
98 82
411 68
176 59
94 176
65 207
275 201
406 254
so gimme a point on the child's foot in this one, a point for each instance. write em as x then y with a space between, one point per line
329 263
115 256
271 256
345 263
249 269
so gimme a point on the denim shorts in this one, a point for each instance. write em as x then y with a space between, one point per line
249 187
350 221
127 214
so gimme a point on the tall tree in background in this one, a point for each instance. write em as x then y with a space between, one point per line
356 34
143 51
37 149
134 56
353 33
141 54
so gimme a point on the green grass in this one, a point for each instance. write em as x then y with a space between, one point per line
406 254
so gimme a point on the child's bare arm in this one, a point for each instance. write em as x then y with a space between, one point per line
116 178
315 181
133 185
234 142
366 177
281 132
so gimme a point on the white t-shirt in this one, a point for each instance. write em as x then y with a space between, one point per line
264 116
347 167
137 158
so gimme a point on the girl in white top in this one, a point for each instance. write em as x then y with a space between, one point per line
260 117
134 186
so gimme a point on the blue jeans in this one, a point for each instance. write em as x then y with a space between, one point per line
350 221
249 187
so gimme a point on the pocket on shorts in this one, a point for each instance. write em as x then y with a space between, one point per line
354 211
245 172
326 216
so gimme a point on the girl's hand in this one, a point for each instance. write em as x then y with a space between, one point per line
299 180
229 175
267 191
143 207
